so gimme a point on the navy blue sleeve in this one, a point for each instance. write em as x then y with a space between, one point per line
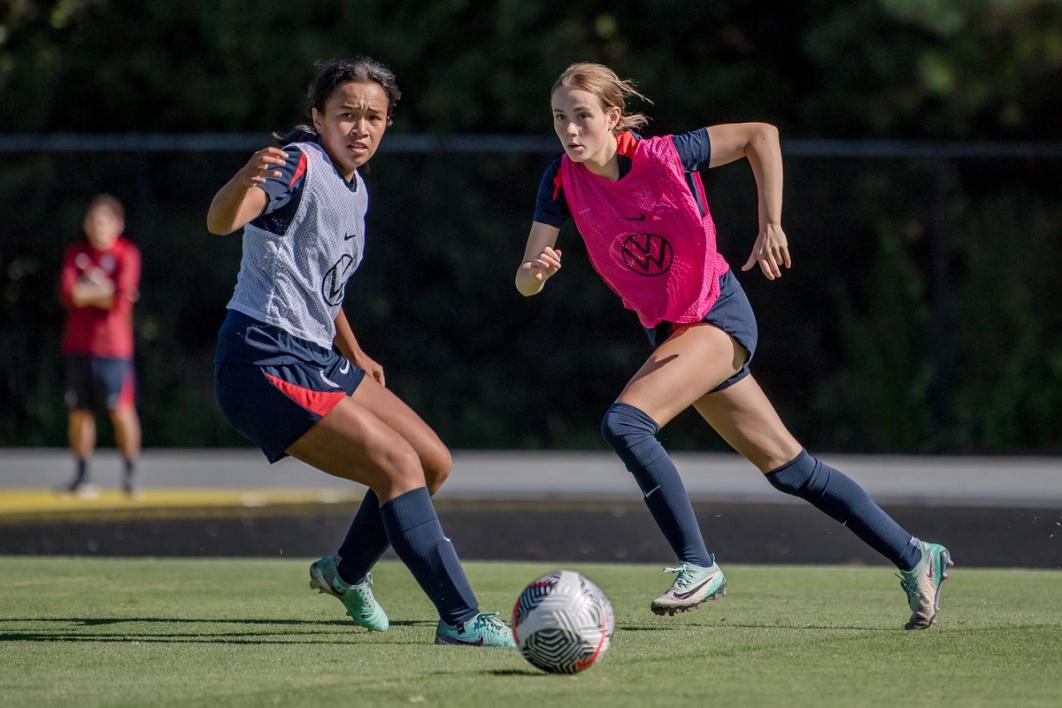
694 148
284 193
550 209
280 190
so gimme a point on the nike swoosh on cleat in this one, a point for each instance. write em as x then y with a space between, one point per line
687 595
451 640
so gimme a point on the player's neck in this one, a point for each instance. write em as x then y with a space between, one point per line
605 163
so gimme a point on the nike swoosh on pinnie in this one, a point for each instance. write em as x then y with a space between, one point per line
640 217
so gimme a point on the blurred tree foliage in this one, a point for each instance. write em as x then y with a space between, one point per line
849 340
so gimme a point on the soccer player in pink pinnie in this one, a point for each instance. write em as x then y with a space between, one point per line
641 210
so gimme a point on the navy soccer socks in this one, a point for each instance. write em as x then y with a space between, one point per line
80 473
632 434
128 475
365 543
417 537
842 499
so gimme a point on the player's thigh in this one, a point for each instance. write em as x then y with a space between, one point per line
691 362
434 456
115 382
745 418
353 443
79 394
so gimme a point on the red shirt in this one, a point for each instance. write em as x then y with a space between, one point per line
91 330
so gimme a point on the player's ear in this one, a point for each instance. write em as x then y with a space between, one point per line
317 118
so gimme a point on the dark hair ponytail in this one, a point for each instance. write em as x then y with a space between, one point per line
298 134
332 75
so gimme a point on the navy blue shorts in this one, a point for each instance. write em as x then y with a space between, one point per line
733 314
98 383
272 386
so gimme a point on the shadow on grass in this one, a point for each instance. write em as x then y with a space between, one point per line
287 631
723 624
806 627
103 621
162 639
515 672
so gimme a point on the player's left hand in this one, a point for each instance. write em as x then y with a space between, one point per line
771 251
372 368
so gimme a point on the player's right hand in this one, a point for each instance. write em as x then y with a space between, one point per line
262 165
545 264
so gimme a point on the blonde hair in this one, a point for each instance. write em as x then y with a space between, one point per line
609 88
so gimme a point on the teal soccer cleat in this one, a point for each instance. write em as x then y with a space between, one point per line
484 630
358 599
923 583
694 586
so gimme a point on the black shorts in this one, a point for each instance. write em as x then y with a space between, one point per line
733 314
272 386
99 383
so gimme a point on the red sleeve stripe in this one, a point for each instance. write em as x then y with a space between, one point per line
299 171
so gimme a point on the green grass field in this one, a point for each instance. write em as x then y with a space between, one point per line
90 632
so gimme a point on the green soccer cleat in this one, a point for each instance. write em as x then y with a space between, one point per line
923 583
358 599
484 630
694 586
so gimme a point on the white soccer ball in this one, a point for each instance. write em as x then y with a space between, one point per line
562 622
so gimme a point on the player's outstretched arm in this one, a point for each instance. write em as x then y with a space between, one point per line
760 144
541 260
238 202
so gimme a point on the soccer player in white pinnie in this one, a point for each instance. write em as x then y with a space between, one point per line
290 375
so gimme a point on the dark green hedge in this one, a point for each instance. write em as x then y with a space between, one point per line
859 348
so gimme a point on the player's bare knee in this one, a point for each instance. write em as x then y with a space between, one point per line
781 451
437 467
402 471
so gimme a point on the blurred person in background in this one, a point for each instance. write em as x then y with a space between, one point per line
98 286
642 212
